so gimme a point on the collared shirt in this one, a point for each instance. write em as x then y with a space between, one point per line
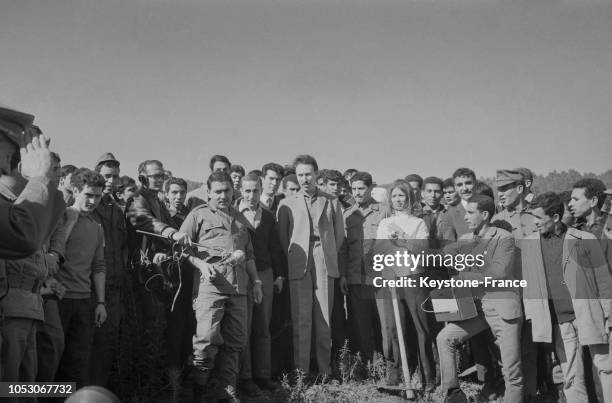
314 224
267 201
522 222
220 232
254 216
431 218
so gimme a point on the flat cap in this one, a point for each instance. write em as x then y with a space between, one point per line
13 122
608 191
105 158
505 177
526 172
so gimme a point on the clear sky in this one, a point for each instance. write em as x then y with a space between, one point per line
393 87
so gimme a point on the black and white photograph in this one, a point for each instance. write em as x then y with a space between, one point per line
322 201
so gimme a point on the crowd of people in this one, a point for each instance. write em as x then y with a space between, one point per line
255 274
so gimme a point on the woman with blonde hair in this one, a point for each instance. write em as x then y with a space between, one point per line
402 231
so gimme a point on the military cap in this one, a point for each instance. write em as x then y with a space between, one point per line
13 122
526 172
608 192
106 157
505 177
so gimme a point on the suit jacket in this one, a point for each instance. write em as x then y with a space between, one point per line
588 279
111 217
274 208
266 246
294 232
497 246
451 224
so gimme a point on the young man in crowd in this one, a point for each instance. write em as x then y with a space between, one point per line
64 183
256 370
272 174
221 303
361 223
451 197
331 183
126 189
452 223
498 308
431 197
528 179
311 231
290 185
586 201
348 174
199 196
110 215
567 297
83 267
175 190
236 173
516 217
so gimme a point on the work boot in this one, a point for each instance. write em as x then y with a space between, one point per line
456 396
266 384
249 388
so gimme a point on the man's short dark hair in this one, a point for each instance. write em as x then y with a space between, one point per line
256 172
592 188
218 176
86 177
566 196
142 167
448 183
464 172
289 178
67 170
363 176
110 164
415 178
482 188
550 202
125 182
174 181
218 158
331 175
350 171
237 168
289 170
434 180
483 203
272 166
306 159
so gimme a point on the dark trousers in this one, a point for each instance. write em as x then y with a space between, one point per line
181 322
416 329
363 322
77 322
281 333
338 321
50 341
105 340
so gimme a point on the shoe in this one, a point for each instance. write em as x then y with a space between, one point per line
249 388
266 384
456 396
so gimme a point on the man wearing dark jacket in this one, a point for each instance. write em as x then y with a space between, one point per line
269 260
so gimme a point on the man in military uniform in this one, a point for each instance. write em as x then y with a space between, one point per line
221 304
26 222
